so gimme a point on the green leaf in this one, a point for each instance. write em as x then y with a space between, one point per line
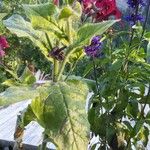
17 94
60 109
2 15
17 25
44 9
91 83
133 108
87 31
27 77
121 104
28 116
148 52
137 127
128 125
11 82
147 36
44 13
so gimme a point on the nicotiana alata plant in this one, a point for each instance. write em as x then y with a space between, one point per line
58 106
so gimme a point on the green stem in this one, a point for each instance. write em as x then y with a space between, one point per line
72 69
69 24
62 67
66 1
55 70
96 81
43 146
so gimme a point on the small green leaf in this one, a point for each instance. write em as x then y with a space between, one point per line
133 108
137 127
27 77
2 15
128 125
147 36
148 52
28 116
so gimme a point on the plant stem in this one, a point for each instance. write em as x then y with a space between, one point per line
43 146
55 70
62 67
69 24
145 103
71 70
96 81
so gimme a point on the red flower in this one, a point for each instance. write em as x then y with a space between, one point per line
101 9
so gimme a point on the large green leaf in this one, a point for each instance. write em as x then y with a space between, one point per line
16 94
16 24
86 32
47 14
44 13
60 109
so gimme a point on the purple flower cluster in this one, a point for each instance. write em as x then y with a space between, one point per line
94 49
135 16
134 3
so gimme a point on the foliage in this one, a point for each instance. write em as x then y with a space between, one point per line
118 113
119 77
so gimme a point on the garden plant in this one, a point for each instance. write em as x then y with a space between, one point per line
92 48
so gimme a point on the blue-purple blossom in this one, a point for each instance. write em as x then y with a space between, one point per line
135 16
134 3
94 49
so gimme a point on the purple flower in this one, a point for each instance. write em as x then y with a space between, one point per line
94 49
95 40
135 16
134 3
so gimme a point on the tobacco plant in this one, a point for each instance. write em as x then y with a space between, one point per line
59 105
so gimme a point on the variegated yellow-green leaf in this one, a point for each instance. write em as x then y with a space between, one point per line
16 94
60 109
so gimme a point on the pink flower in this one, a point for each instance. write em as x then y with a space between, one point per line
56 2
2 53
3 42
3 45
